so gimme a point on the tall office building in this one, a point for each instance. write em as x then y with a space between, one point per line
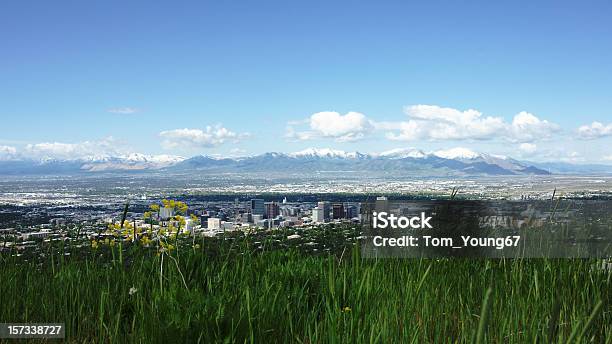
382 204
317 215
325 206
272 210
337 211
257 207
214 223
204 220
351 211
166 212
246 217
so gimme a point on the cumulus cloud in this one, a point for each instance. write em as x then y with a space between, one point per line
526 127
351 126
124 110
528 148
79 150
438 123
212 136
594 131
7 152
431 122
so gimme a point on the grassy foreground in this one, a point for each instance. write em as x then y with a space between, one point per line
206 293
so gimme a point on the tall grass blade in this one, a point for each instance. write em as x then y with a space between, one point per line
484 317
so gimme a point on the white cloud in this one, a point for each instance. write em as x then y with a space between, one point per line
198 138
291 134
594 130
80 150
238 151
528 148
352 126
431 122
558 154
607 158
124 110
526 127
437 123
7 152
573 157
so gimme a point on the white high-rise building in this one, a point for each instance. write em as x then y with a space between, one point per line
189 225
214 223
166 213
318 215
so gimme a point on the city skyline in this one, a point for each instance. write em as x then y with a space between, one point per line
525 80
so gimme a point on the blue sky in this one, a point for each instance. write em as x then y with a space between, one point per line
119 76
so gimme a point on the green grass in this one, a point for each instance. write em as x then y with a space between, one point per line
220 294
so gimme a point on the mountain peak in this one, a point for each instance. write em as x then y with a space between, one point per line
457 153
400 153
324 153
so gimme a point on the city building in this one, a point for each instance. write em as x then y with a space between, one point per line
272 210
257 207
325 206
338 211
165 213
214 223
246 217
318 215
189 225
351 211
204 220
382 204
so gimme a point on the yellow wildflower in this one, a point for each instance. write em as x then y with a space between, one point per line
145 241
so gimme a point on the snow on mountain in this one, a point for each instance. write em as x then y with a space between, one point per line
402 160
159 159
325 153
133 161
457 154
401 153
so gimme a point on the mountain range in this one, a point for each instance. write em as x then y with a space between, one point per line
457 161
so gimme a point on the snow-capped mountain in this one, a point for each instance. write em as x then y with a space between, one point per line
398 162
325 153
457 154
401 153
93 163
134 161
158 159
469 156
